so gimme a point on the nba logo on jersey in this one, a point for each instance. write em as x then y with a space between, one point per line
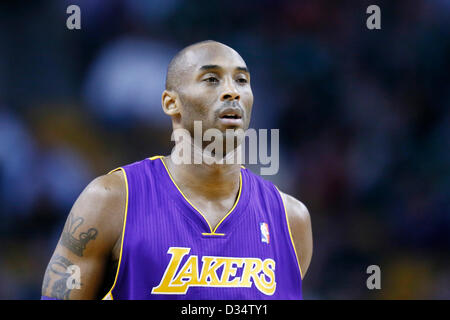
265 236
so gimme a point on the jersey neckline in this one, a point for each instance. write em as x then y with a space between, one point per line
223 227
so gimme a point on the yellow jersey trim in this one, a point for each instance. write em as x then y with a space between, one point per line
213 231
156 157
109 295
290 233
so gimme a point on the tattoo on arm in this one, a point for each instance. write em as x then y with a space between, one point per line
68 239
57 272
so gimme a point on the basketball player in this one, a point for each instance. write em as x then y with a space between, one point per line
156 229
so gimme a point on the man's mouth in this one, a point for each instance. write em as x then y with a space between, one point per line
231 113
231 117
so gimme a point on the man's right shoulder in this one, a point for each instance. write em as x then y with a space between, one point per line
109 186
113 181
105 195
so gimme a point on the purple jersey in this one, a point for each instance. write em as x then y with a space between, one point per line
169 250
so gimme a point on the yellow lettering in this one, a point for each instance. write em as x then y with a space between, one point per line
164 285
209 269
230 271
251 269
189 271
261 272
268 287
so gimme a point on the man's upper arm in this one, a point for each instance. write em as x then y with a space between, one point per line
91 231
300 225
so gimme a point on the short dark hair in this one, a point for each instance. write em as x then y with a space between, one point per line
174 68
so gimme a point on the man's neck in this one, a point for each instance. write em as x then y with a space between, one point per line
209 181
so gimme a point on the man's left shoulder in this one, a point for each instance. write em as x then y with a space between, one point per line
295 209
299 222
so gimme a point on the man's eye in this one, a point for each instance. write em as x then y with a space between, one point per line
211 80
242 80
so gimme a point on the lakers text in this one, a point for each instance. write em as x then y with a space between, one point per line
257 272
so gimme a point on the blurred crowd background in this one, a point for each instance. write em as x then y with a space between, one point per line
364 119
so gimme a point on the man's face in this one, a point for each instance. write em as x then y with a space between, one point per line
215 89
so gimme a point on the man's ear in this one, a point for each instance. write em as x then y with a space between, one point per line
169 101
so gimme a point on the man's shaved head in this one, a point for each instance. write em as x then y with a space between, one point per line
208 82
180 64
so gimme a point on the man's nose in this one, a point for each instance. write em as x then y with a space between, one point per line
230 93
